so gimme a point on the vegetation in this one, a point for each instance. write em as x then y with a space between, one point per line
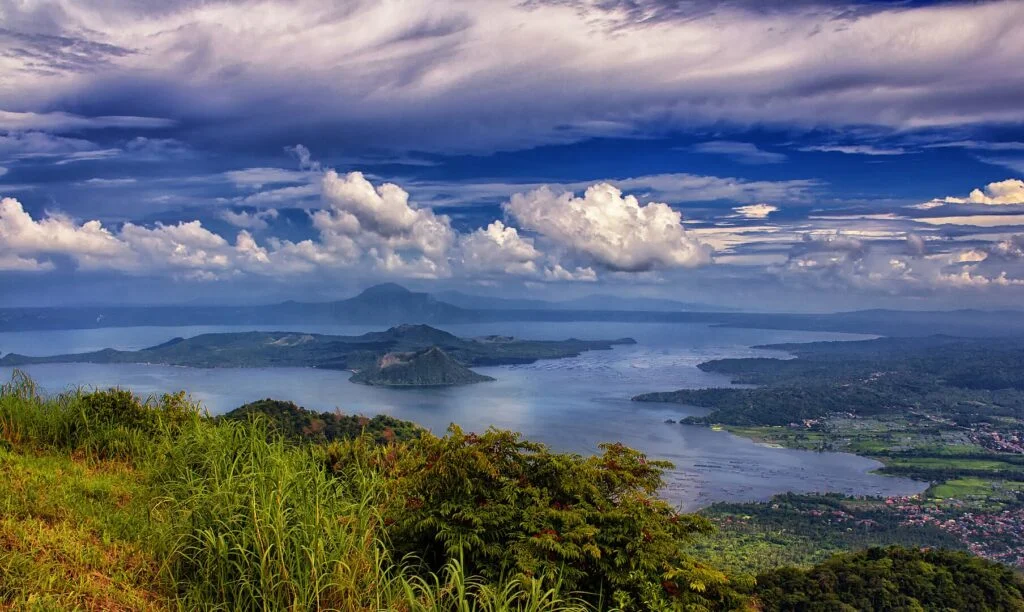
894 579
295 423
170 508
112 502
803 529
945 410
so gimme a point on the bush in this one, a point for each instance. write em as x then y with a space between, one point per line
112 423
508 508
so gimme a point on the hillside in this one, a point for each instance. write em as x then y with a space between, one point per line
430 367
116 503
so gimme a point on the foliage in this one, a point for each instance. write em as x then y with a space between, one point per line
894 579
299 424
234 515
798 529
201 513
511 508
112 423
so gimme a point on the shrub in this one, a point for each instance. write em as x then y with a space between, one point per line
509 508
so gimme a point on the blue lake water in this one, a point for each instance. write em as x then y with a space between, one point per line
571 404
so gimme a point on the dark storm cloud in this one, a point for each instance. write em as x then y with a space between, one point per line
492 75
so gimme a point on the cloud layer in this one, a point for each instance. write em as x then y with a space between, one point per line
581 68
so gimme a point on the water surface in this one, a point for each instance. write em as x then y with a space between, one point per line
572 404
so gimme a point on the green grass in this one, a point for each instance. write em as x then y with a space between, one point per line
70 536
109 503
961 488
952 463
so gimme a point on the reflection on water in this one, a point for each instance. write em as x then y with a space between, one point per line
571 404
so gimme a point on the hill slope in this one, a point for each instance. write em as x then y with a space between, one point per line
430 367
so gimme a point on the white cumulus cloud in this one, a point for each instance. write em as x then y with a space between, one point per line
399 237
999 193
499 248
608 229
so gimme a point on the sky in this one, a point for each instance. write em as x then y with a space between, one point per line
774 155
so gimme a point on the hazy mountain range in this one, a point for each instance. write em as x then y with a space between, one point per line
390 304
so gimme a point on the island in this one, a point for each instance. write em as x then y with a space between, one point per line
402 356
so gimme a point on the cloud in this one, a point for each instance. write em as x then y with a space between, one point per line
979 145
856 150
374 227
743 152
603 67
256 178
108 182
1013 163
916 245
498 248
81 156
15 263
1010 248
3 171
756 211
1010 191
185 250
400 237
64 122
670 187
28 145
22 235
558 273
608 229
974 220
841 262
252 221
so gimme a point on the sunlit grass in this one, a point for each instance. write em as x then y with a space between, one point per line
108 502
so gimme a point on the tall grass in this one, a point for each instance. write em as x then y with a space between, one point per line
242 520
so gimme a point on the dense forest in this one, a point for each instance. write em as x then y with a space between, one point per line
118 503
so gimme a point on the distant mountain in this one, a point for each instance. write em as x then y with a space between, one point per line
430 367
385 304
595 302
391 304
616 302
481 302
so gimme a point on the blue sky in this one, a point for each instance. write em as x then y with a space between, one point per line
774 155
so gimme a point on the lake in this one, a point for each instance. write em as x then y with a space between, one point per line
571 404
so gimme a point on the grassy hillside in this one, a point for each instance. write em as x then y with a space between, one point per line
111 502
